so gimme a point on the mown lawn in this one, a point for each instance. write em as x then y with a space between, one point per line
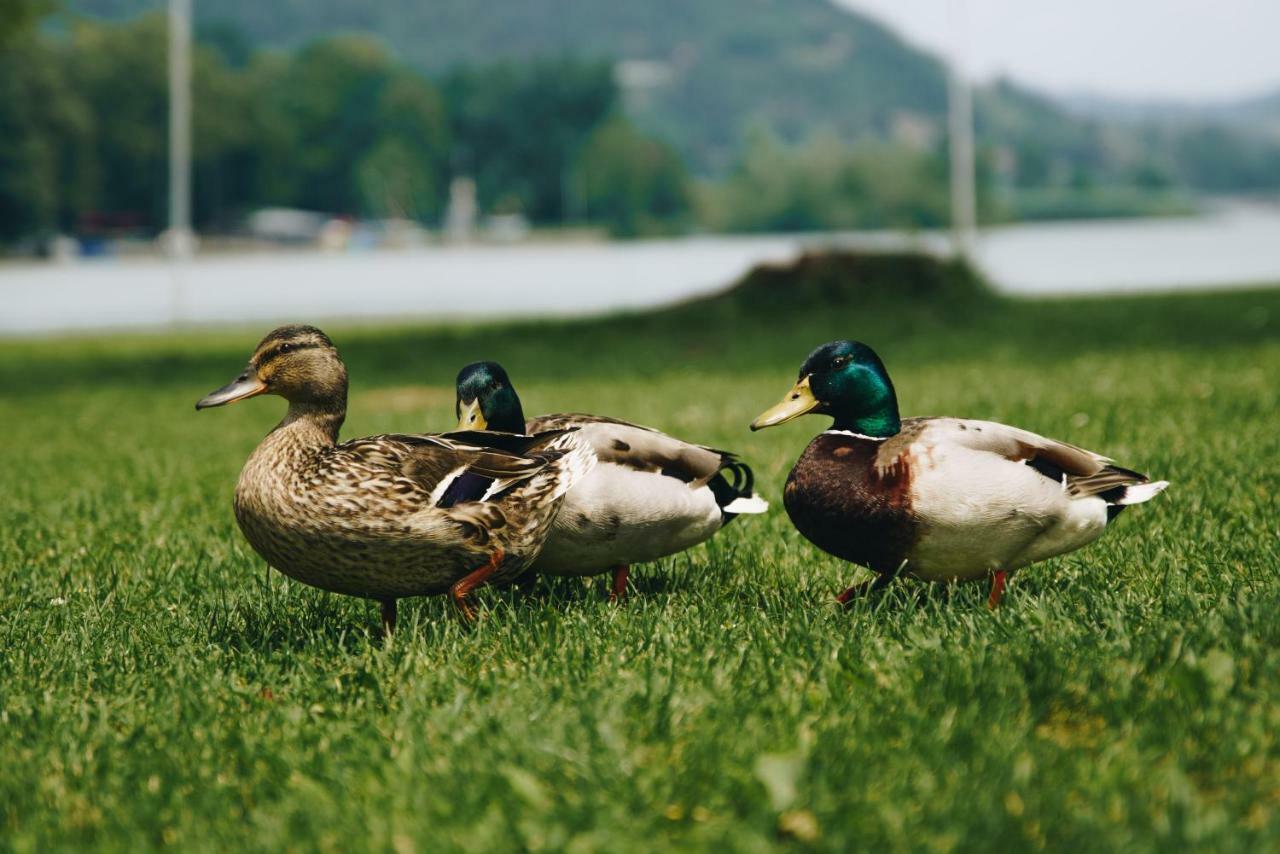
158 686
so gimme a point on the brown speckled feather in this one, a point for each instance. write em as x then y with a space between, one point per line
360 517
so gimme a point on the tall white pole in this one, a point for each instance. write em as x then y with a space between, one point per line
964 216
180 239
180 120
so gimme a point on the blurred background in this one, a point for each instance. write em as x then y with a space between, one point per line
241 161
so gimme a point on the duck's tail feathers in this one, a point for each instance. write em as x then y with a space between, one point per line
1121 497
1142 492
746 505
734 489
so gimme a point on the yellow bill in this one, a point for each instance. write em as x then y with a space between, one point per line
470 417
797 402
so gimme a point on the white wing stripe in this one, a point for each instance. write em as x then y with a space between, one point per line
444 484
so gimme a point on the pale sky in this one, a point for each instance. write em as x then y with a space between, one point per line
1178 49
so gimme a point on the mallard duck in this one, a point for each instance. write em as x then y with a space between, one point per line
387 516
942 499
651 495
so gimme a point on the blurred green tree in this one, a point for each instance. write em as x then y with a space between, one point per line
1221 159
18 17
340 112
228 39
395 182
120 73
340 126
630 182
519 129
828 184
46 142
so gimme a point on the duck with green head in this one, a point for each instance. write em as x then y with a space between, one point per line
941 499
649 496
389 516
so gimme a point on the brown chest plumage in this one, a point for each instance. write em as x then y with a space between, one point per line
836 497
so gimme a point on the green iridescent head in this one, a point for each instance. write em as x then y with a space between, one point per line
846 380
486 400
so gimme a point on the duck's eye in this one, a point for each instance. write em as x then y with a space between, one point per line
286 348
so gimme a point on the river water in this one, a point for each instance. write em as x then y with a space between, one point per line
1232 247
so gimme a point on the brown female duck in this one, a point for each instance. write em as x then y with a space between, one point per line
387 516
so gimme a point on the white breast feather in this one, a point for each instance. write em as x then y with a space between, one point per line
616 515
980 512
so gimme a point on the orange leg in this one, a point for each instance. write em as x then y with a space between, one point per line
857 591
619 590
997 589
462 588
388 617
866 588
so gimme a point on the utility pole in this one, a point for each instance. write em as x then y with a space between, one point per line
180 241
964 216
180 127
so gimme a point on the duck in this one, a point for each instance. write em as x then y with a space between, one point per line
939 499
649 496
390 516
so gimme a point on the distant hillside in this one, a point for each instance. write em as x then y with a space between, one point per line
700 73
704 74
1260 113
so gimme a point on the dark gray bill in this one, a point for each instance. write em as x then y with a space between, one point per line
245 385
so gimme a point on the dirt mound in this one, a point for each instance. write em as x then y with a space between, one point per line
844 277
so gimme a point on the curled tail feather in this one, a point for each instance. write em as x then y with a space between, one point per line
734 489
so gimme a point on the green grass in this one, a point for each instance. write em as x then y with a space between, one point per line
158 686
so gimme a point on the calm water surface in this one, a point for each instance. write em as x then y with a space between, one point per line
1233 247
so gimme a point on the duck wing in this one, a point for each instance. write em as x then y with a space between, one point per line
1082 472
449 470
640 448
